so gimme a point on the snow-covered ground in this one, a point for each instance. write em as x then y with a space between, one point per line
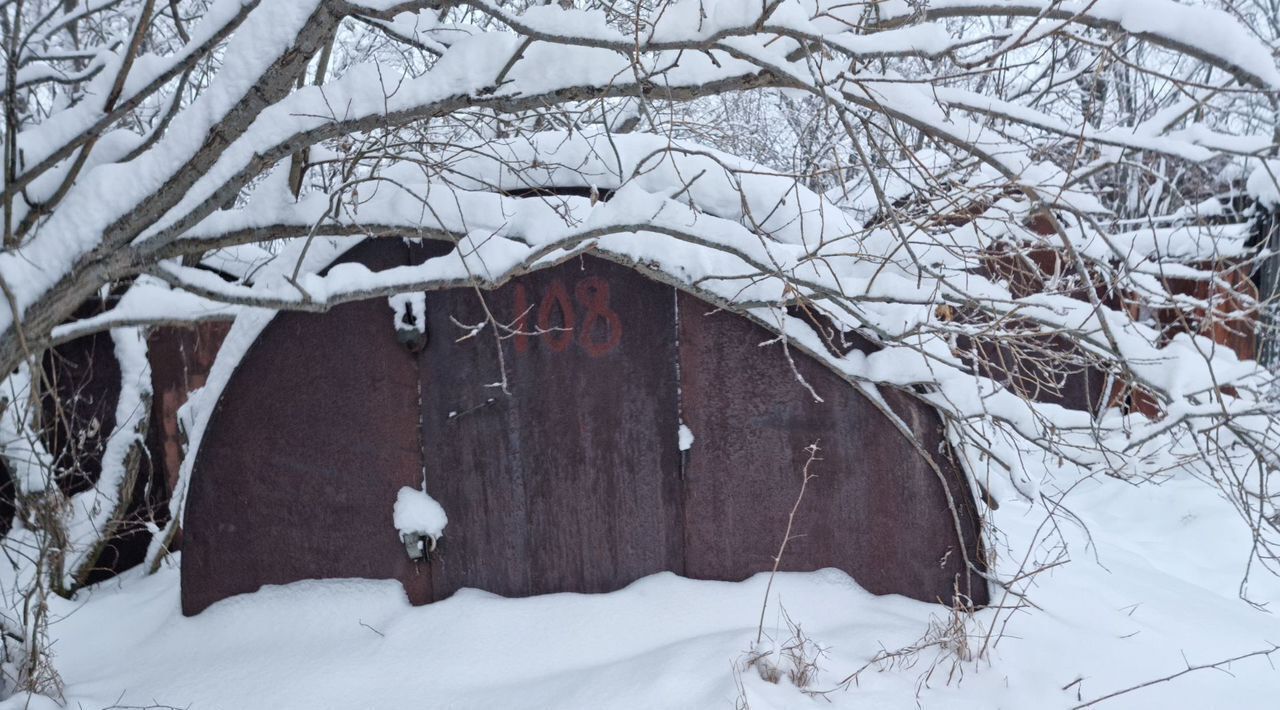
1156 591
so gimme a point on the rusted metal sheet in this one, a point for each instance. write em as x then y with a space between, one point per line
79 415
1232 320
180 361
571 481
1031 362
78 406
875 508
315 433
1044 368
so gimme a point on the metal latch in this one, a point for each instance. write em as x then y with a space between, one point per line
419 546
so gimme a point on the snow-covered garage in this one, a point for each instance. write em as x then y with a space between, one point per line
616 428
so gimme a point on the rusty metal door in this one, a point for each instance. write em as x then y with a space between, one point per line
298 471
875 509
570 482
572 479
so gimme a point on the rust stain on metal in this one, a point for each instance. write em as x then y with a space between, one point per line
1052 368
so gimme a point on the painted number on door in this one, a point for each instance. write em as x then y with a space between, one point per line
558 319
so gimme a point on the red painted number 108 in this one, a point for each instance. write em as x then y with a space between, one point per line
559 320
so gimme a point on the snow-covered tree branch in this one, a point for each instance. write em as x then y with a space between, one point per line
1000 193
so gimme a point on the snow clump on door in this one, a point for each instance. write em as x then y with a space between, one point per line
417 514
